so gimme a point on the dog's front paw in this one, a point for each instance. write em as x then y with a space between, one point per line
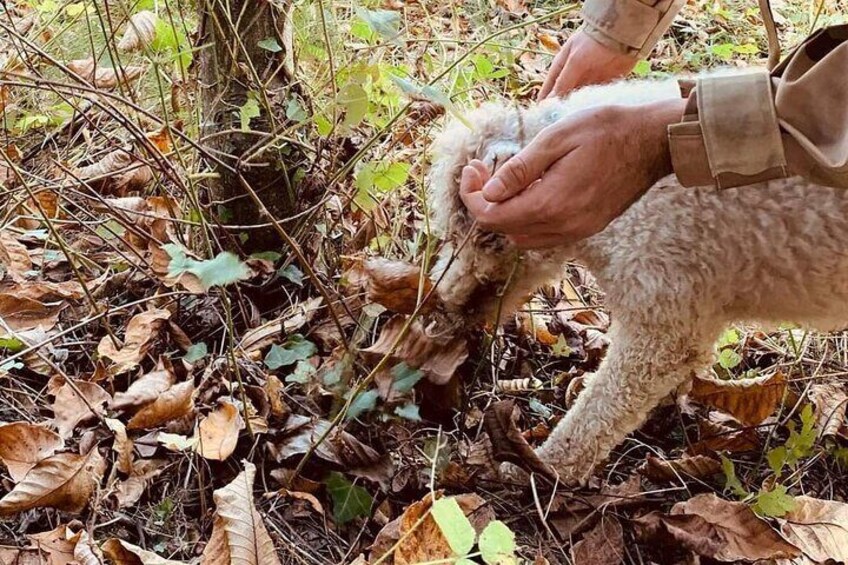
499 153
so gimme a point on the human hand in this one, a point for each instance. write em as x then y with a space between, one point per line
583 61
575 177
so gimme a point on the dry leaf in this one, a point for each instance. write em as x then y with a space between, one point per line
119 172
438 357
748 400
550 42
75 402
122 446
85 552
830 401
572 513
142 329
64 481
14 256
58 544
22 314
121 552
819 528
23 445
239 535
507 442
146 389
425 542
140 32
720 432
395 285
273 332
129 492
718 529
218 433
174 403
671 470
602 545
104 77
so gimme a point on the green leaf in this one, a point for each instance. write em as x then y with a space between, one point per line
385 23
364 402
497 544
388 177
224 269
75 9
404 377
777 458
292 273
539 408
295 111
800 445
723 51
10 365
323 125
747 49
729 359
456 528
561 348
271 256
302 373
11 344
642 68
247 112
269 44
774 503
731 481
728 338
171 40
349 501
409 412
354 100
196 352
297 348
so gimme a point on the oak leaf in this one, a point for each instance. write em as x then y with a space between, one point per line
23 445
748 400
239 536
64 481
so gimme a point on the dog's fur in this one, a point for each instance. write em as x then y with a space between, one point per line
677 267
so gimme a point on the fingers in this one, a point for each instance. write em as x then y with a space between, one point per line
529 164
554 72
566 81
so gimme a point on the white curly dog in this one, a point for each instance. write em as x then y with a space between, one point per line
677 267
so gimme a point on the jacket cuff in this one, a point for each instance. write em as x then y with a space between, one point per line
630 26
729 135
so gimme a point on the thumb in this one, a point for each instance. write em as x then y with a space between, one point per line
523 169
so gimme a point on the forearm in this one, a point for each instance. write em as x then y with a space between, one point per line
742 129
629 26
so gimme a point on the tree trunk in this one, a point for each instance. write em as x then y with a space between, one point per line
243 71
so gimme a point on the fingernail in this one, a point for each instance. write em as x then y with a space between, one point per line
493 189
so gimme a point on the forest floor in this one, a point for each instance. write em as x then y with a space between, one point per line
165 401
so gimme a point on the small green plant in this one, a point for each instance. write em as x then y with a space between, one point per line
496 544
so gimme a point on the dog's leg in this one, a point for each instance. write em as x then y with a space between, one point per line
643 365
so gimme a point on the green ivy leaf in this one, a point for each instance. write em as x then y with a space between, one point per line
497 544
409 412
195 353
224 269
269 44
385 23
363 402
302 373
292 274
454 525
297 348
774 503
349 501
405 377
249 111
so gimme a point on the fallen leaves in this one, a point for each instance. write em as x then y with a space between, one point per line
76 402
23 445
65 481
671 470
508 443
396 285
104 77
239 534
140 32
748 400
830 401
602 545
218 433
174 403
141 330
119 172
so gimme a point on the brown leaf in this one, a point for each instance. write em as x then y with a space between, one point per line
58 544
64 481
819 528
141 331
121 552
239 533
437 357
129 492
75 402
85 552
748 400
340 448
14 256
119 172
830 401
575 513
671 470
720 432
43 291
218 433
140 32
395 285
272 332
174 403
23 445
716 528
424 542
104 77
122 446
21 314
602 545
508 443
550 42
146 389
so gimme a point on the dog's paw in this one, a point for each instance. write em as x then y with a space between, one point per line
499 153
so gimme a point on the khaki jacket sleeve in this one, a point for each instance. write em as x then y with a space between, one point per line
630 26
742 129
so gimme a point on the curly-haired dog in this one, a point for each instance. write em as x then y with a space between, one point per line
677 267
